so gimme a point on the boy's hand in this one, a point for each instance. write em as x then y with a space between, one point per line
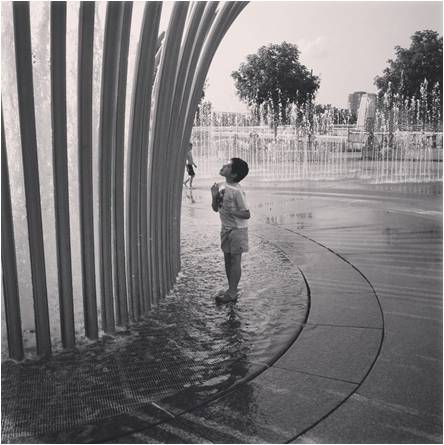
215 195
215 190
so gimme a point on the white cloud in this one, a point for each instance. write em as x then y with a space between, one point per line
316 48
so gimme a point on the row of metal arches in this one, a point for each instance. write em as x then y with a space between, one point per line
139 234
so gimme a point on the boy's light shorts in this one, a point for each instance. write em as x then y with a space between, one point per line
234 241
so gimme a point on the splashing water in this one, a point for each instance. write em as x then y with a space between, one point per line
321 151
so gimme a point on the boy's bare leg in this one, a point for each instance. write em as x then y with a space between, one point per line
191 181
235 272
185 183
227 259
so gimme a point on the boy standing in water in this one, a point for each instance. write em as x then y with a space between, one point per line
230 201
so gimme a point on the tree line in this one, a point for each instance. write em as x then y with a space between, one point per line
273 81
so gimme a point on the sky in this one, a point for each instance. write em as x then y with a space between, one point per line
346 43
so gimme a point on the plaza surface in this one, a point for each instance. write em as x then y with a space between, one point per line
336 337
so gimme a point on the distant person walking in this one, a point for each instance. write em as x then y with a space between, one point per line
230 201
189 165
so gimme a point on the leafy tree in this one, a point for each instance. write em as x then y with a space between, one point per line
423 60
204 108
273 79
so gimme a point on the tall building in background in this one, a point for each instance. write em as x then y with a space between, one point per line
354 99
367 111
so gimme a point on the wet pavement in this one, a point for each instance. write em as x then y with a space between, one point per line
337 335
187 348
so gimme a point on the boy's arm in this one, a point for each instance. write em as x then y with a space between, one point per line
242 214
215 196
242 211
214 204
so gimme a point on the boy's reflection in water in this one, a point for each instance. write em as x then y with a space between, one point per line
237 363
189 195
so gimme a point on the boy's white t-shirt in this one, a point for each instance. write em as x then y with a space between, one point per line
232 198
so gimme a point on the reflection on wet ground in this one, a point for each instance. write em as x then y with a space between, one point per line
186 343
315 206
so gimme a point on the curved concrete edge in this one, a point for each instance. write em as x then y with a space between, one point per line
326 362
345 326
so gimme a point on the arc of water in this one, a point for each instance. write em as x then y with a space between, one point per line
23 55
159 49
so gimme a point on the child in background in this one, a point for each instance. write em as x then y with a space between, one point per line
189 165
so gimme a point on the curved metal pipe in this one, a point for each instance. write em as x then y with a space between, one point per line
118 189
107 149
60 167
184 60
86 210
25 88
138 244
202 32
167 75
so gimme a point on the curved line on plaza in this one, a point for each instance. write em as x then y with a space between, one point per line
380 343
307 311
